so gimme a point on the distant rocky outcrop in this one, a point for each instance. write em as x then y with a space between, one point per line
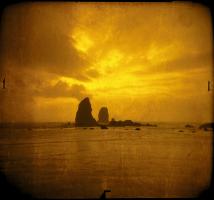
207 126
113 122
103 127
84 117
103 116
151 125
189 126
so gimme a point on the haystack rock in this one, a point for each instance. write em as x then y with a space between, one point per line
103 116
83 115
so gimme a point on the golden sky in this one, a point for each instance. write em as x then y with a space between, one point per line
144 61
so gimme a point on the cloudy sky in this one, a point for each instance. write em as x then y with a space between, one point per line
144 61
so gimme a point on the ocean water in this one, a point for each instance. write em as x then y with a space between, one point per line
80 163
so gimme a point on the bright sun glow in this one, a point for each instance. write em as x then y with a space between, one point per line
82 41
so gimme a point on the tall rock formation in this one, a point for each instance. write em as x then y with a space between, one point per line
103 116
83 115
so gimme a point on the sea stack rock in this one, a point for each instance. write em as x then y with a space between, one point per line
103 117
83 115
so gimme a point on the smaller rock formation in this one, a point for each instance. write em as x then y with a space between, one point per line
103 116
84 117
113 122
103 127
150 125
189 126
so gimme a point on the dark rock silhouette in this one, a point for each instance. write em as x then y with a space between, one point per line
151 125
84 117
113 122
103 127
189 126
103 116
137 129
207 126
